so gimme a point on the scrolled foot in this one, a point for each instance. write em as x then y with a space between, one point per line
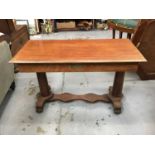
117 106
41 101
117 110
39 109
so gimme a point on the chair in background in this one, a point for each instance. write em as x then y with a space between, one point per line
142 34
144 40
18 34
123 25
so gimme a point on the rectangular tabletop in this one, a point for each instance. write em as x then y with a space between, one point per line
78 56
78 51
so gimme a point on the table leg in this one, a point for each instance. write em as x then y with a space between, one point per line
115 93
45 93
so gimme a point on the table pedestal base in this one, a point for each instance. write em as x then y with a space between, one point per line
114 96
89 98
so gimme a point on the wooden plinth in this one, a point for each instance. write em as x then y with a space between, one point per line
89 98
114 96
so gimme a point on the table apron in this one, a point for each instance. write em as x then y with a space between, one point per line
105 67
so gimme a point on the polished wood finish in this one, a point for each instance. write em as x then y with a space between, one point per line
79 56
78 51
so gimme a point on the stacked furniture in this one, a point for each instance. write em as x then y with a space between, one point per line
18 34
6 69
73 24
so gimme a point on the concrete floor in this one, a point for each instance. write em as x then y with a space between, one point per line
138 116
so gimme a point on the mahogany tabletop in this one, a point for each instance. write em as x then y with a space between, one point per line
78 51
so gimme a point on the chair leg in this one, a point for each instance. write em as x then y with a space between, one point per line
120 34
129 35
113 33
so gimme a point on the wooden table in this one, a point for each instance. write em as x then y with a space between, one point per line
109 55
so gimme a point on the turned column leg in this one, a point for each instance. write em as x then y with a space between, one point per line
45 93
116 91
43 84
118 84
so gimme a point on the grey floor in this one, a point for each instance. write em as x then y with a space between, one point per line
138 115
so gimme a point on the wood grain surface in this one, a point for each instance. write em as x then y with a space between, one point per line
78 51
